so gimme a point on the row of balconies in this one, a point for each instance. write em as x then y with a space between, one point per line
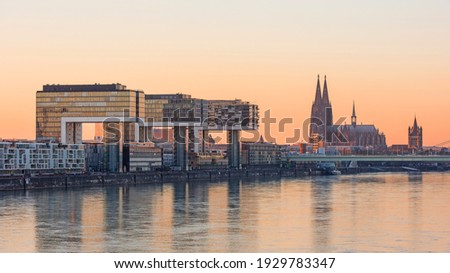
41 164
41 167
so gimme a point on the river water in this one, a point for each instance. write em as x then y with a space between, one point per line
388 212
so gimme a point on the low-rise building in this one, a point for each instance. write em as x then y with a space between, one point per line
209 161
260 153
399 149
217 149
20 157
141 157
167 153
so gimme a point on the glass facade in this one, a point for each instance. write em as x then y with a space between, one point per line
73 105
154 109
103 101
183 108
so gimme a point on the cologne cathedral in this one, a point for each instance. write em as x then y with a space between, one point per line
324 133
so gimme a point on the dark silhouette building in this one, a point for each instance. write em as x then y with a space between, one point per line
364 136
321 115
415 140
355 138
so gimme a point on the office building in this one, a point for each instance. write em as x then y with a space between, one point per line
260 153
141 157
209 161
129 116
72 105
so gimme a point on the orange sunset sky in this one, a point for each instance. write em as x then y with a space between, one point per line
391 57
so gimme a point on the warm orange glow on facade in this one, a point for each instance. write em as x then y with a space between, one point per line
393 65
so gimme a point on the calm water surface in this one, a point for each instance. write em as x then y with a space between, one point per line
359 213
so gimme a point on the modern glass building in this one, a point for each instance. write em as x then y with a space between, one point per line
82 103
129 115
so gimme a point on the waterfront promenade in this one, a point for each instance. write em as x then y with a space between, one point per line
17 183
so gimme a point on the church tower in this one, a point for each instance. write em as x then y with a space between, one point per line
321 113
316 121
327 105
415 140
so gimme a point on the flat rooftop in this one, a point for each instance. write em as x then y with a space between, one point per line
167 96
83 87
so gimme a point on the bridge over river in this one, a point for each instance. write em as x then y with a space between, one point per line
367 158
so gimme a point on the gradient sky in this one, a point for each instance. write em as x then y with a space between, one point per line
391 57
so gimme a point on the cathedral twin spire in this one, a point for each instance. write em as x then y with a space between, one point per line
318 91
322 99
325 99
321 112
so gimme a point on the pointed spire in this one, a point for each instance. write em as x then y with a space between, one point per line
318 98
354 111
354 115
326 100
415 121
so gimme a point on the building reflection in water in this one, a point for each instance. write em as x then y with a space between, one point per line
321 208
218 217
116 201
17 222
130 218
415 191
234 227
58 221
162 219
416 178
361 213
93 220
190 217
261 217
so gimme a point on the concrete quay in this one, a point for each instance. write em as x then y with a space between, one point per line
15 183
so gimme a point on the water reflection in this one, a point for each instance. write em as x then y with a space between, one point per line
234 227
190 216
360 213
415 177
415 208
321 212
57 221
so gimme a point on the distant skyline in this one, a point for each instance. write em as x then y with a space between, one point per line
390 57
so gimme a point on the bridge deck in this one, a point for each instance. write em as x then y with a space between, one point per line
369 158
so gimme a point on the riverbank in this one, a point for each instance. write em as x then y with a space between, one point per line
15 183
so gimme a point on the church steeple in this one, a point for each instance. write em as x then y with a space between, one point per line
354 115
415 138
325 99
318 98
